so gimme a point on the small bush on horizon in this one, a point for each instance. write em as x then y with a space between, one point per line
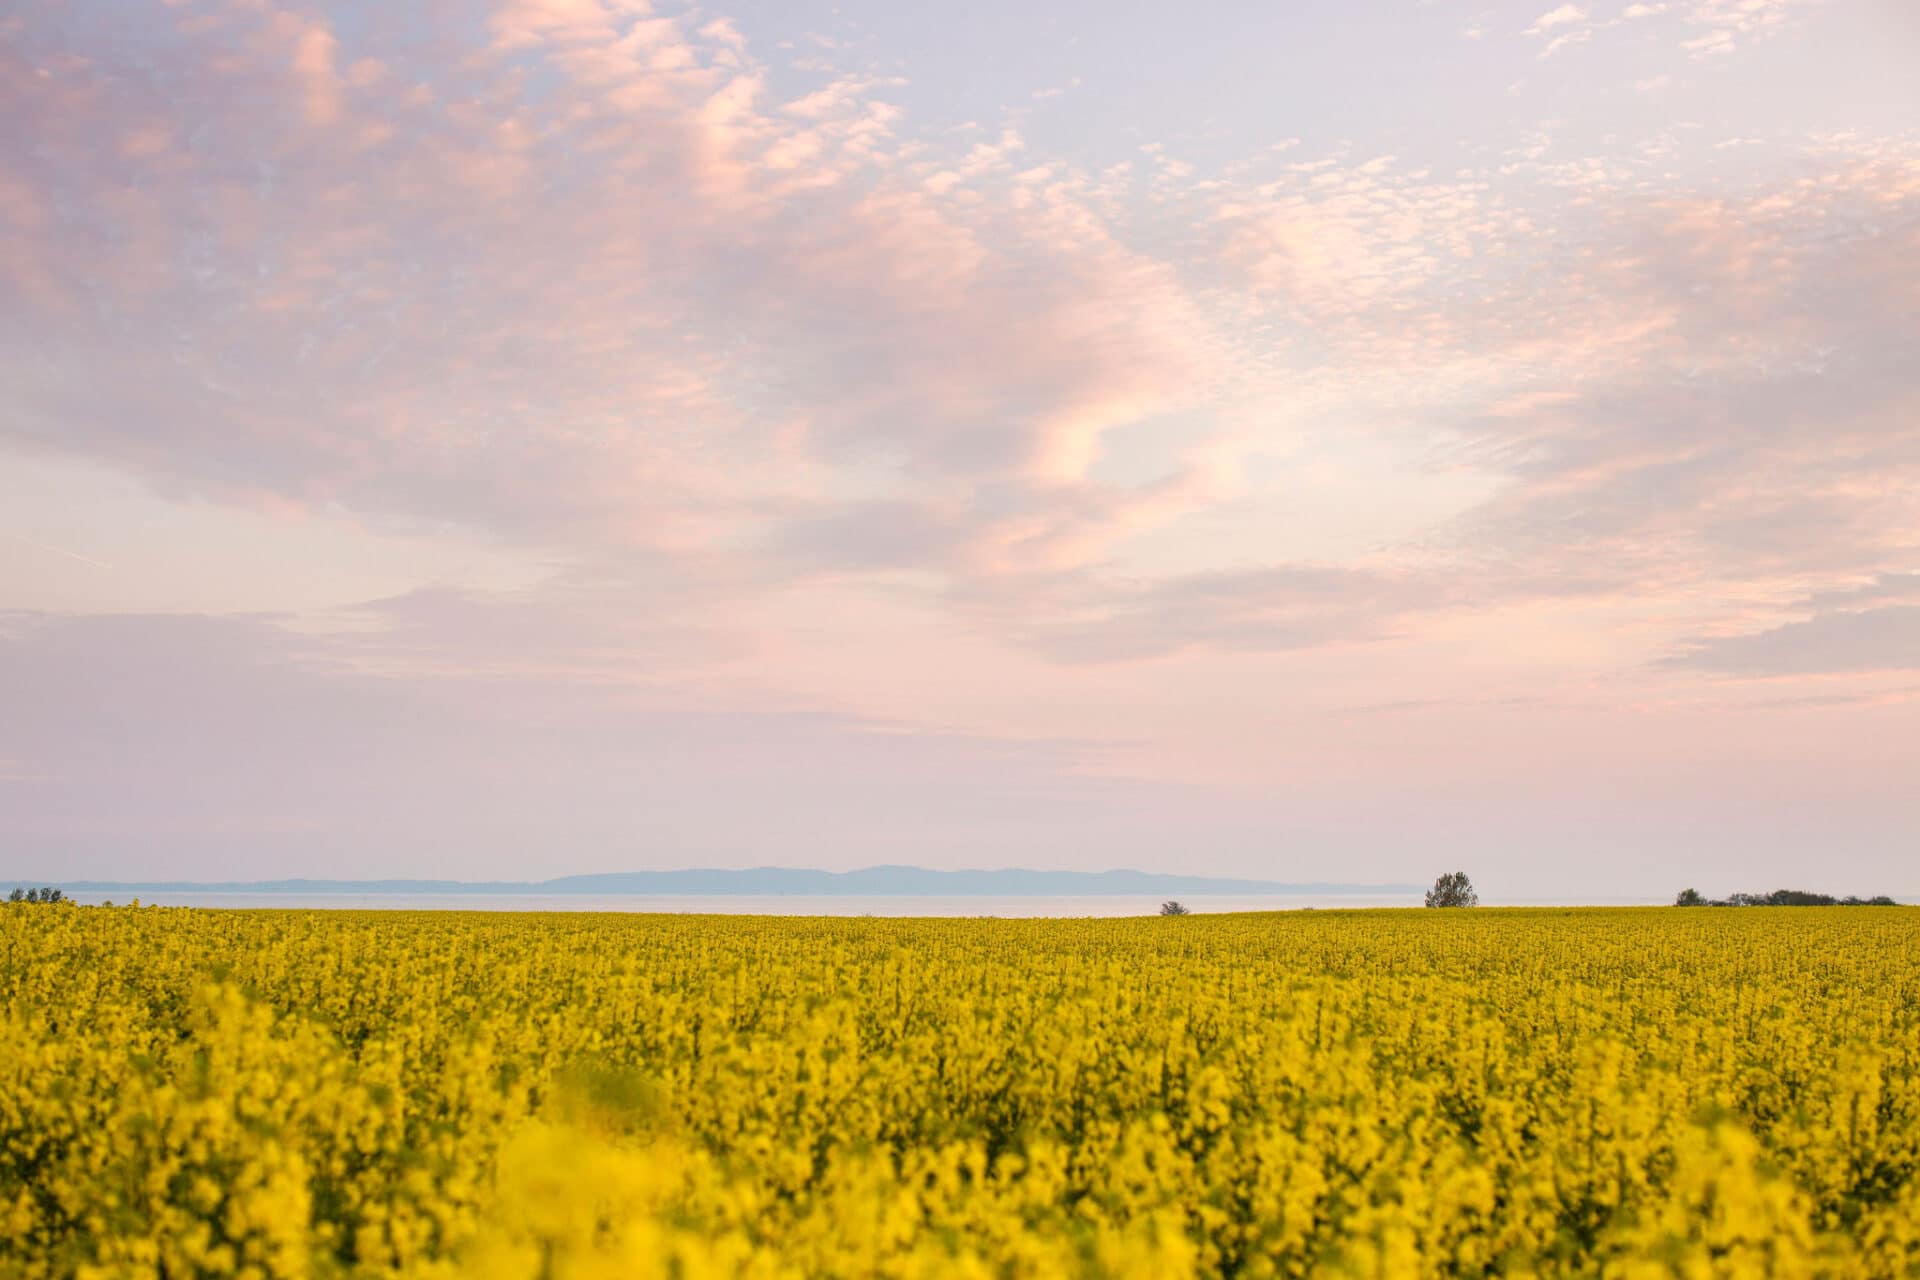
1173 908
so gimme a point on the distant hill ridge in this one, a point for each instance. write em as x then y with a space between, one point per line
869 881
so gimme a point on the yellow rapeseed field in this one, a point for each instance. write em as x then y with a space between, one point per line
1631 1093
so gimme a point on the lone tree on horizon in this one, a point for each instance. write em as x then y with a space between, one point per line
1453 890
1173 909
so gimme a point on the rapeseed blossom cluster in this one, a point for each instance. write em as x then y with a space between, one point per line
1627 1093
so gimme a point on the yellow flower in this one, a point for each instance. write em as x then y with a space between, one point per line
1629 1093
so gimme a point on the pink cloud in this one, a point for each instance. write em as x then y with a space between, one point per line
655 305
464 302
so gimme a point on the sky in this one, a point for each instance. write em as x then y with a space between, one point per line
1312 441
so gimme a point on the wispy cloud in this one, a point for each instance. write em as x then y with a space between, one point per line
1259 611
1566 25
1567 15
1872 627
1725 24
1883 639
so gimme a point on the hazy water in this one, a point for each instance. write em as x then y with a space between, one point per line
771 904
801 904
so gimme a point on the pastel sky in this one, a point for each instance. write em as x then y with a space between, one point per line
1318 441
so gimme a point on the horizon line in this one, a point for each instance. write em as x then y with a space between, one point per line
811 880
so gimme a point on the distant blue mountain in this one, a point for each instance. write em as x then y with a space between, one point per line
774 881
